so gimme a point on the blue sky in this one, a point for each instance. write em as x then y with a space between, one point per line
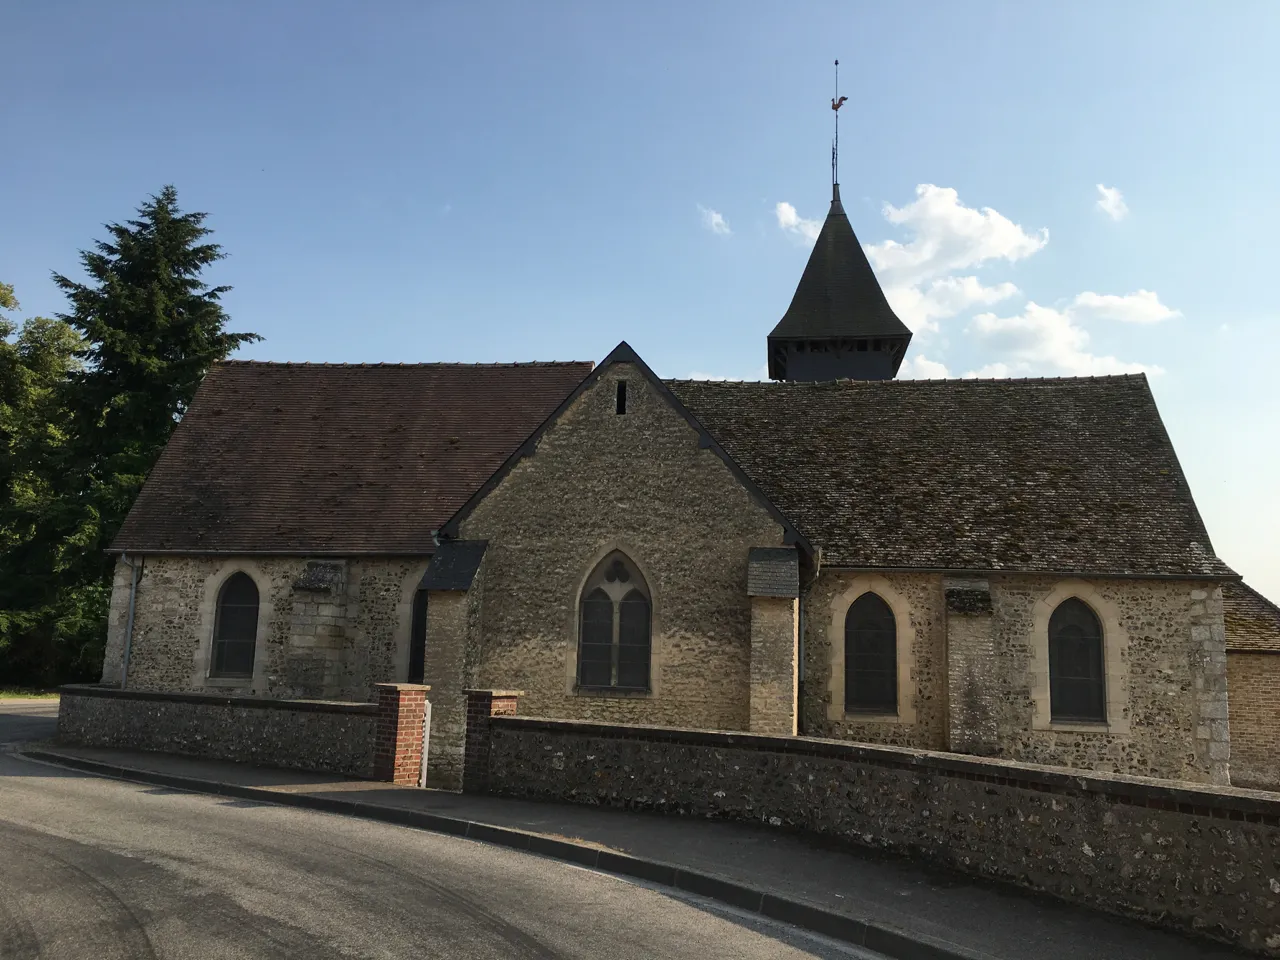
512 181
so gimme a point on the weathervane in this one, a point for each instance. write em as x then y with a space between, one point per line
836 103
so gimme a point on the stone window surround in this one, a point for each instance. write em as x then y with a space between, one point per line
656 645
208 612
906 645
404 620
1115 661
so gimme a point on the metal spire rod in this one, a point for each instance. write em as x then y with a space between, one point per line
836 103
835 144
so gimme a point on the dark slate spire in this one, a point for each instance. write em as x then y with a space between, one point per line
839 324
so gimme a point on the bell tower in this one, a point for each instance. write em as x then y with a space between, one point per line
839 324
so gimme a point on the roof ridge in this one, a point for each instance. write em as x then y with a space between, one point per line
430 363
887 384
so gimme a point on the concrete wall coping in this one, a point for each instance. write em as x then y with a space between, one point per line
425 688
1229 803
497 693
259 703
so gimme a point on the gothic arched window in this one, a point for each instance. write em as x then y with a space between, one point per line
614 622
870 657
1077 685
235 627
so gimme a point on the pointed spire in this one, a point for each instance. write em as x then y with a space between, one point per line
839 323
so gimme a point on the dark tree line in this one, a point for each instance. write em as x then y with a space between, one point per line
87 402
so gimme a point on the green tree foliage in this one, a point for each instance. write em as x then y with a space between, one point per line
36 608
95 396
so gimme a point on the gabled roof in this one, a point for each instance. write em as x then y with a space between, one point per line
1068 475
336 458
623 353
1252 621
838 295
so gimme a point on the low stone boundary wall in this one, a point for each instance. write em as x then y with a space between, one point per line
299 734
1199 858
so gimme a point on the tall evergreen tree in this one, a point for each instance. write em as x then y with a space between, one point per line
140 335
151 329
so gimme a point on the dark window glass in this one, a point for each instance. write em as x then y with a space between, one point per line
595 657
870 657
622 396
418 638
235 628
633 641
1077 689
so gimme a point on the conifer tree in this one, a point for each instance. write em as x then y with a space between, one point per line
121 368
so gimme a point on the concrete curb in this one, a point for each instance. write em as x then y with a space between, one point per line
863 933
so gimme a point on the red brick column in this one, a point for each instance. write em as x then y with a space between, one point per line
397 748
481 705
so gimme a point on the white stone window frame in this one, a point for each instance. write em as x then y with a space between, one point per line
905 647
208 624
657 648
404 619
1115 661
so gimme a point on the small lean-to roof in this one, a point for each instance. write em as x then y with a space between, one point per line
454 565
336 459
1055 475
773 572
1252 621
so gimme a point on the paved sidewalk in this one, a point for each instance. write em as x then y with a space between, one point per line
938 913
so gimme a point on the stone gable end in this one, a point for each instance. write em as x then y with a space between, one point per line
640 482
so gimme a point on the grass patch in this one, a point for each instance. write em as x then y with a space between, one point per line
27 693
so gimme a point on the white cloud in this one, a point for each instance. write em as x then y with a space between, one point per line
1111 202
926 279
714 221
792 222
760 374
920 307
1044 341
921 367
1141 307
948 236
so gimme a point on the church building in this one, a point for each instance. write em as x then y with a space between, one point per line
1008 568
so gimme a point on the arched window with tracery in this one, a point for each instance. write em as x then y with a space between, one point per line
235 628
870 657
1077 684
614 627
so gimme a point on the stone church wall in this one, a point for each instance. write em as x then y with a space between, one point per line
331 642
641 483
1254 682
980 684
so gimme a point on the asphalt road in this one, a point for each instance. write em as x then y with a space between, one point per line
99 868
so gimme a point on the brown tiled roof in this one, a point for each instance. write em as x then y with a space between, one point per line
1252 621
336 458
1062 475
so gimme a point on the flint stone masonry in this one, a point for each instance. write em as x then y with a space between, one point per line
331 629
1197 858
978 679
301 735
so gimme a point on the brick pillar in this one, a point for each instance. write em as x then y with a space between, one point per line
481 705
397 748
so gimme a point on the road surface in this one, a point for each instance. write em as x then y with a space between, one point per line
99 868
